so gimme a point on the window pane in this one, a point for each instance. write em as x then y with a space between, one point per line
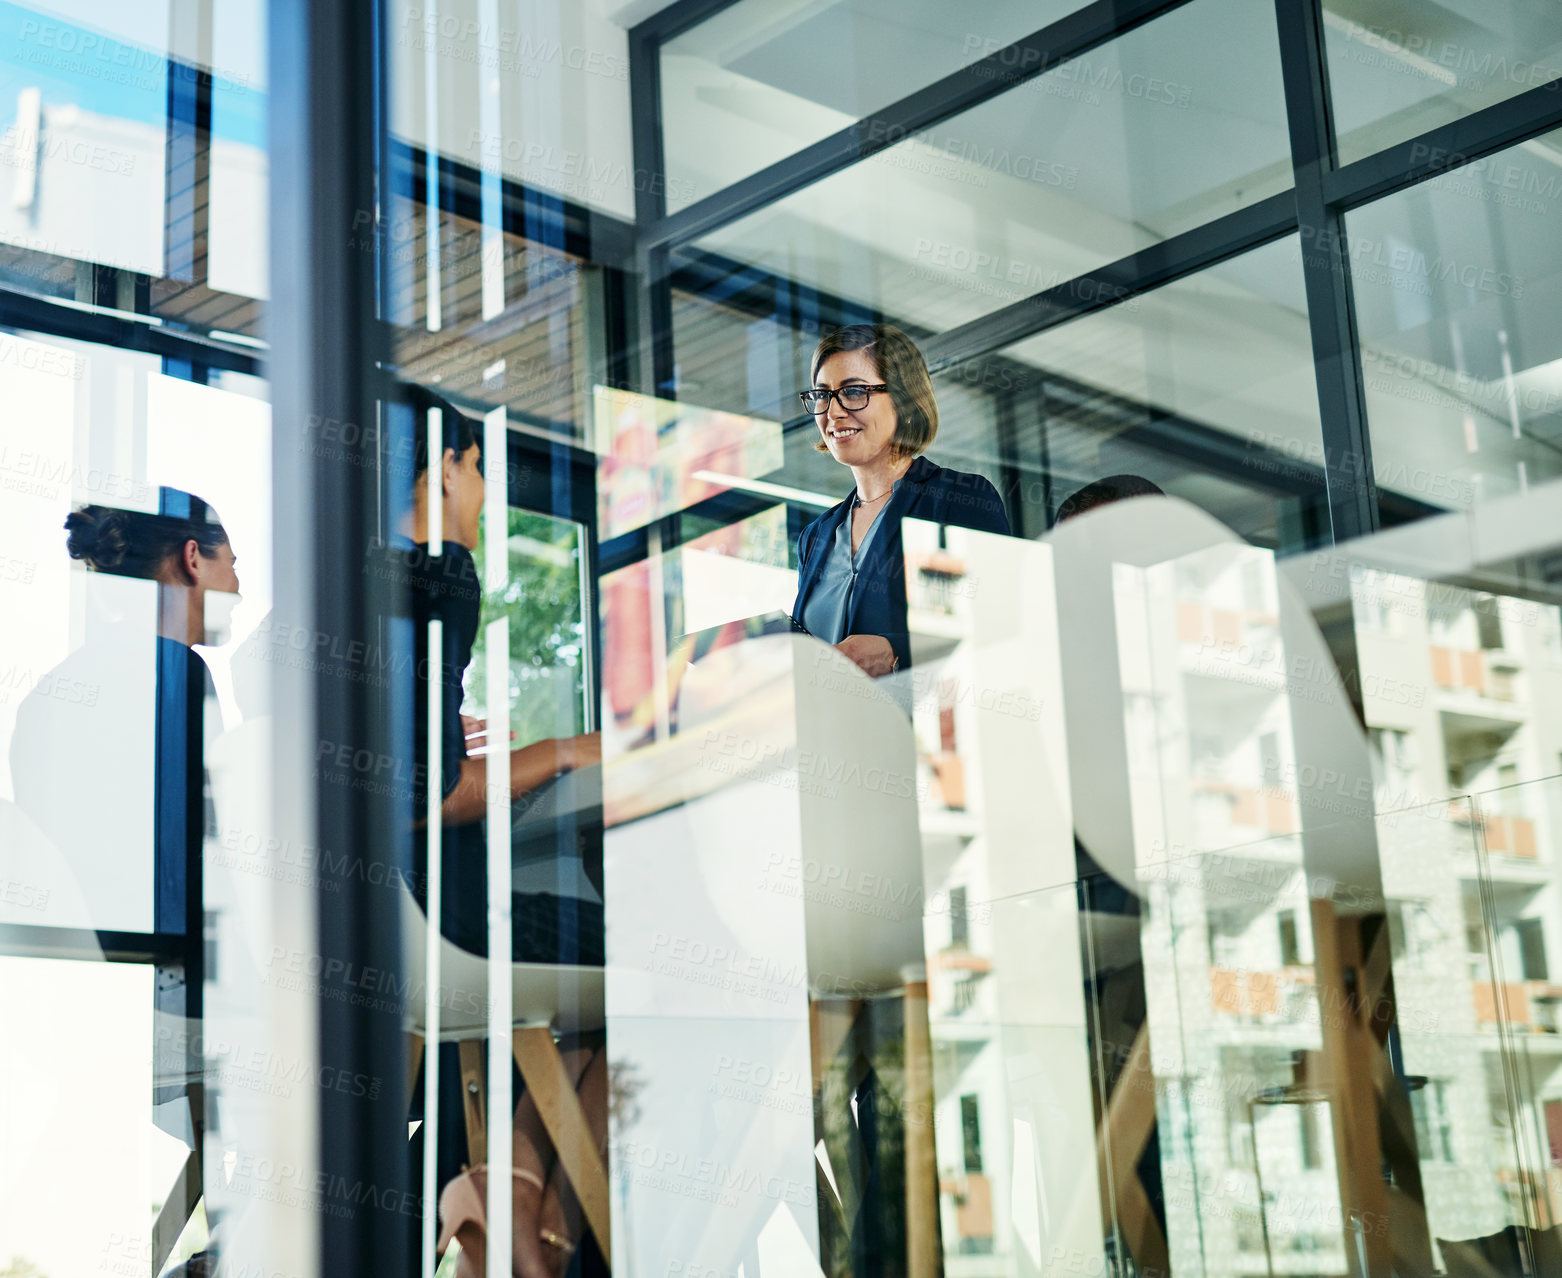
58 1104
760 81
1397 70
236 238
1173 124
134 135
1457 309
84 110
557 117
540 362
1206 387
80 695
547 636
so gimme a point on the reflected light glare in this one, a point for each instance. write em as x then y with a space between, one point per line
766 489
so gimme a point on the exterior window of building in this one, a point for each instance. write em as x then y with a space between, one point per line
959 920
971 1133
1398 932
1488 622
1531 935
1309 1121
1434 1125
1290 949
1551 633
1394 71
1270 759
1396 756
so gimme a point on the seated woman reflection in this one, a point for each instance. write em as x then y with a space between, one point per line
873 403
556 905
445 586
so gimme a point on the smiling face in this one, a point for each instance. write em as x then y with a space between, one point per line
863 437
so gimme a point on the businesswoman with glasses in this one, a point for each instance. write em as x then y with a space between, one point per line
872 401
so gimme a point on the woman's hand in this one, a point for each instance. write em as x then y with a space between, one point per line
871 654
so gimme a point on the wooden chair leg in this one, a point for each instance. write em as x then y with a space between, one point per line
474 1101
1120 1141
1347 1064
559 1107
924 1251
829 1022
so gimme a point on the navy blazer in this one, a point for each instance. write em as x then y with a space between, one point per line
878 605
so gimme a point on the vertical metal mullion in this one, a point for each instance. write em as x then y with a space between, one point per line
501 1101
326 348
653 308
1010 467
1331 307
188 150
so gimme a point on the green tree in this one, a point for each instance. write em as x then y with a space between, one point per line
547 630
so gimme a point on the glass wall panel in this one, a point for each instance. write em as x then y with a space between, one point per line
540 357
538 94
1521 1013
135 800
1459 689
1204 386
1456 299
1397 70
1177 900
1161 130
145 877
52 1110
757 81
85 88
137 143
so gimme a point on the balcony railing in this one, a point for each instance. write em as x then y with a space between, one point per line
1488 672
1526 1005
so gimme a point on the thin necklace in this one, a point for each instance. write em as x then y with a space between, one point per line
871 500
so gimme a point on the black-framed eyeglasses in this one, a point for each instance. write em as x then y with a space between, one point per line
852 398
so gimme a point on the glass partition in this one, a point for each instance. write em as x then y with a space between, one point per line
767 80
1454 283
141 890
569 814
1396 71
1108 154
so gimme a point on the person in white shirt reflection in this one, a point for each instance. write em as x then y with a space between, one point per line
104 695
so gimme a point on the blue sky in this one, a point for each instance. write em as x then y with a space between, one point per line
110 76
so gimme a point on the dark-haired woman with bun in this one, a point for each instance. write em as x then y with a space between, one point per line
186 554
108 756
93 767
873 404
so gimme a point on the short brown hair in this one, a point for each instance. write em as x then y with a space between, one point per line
902 369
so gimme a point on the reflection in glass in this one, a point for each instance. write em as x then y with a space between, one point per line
1455 297
1397 70
756 81
656 456
1122 148
1204 386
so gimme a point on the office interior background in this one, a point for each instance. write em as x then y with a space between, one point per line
1203 993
